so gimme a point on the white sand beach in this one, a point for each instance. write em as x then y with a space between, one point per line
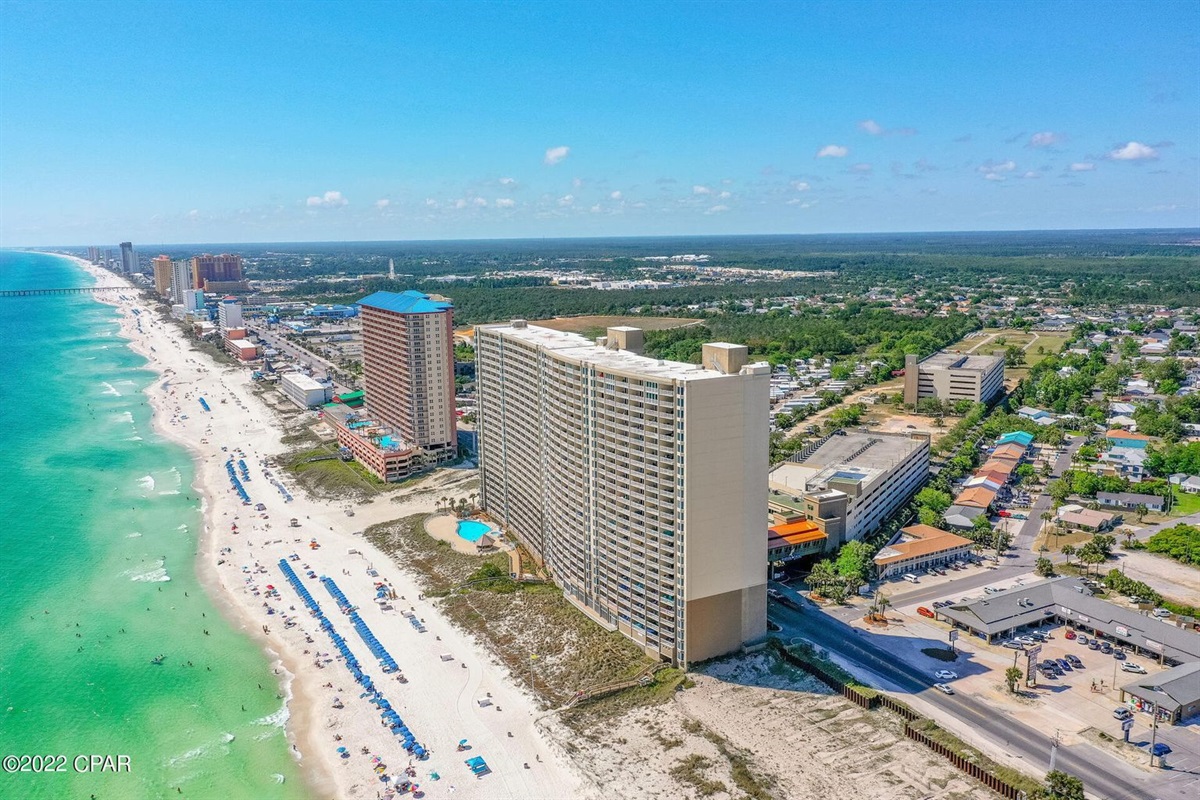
447 673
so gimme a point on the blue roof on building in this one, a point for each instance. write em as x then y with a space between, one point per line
1020 437
410 302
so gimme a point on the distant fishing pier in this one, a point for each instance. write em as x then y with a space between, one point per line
61 290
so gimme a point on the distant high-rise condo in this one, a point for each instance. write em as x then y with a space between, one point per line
94 254
129 263
219 269
641 484
181 279
229 314
408 367
162 275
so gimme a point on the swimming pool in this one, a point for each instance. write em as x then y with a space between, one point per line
471 530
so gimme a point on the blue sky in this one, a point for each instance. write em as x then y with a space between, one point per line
171 122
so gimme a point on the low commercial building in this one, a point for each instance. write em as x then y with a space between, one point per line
953 376
1069 601
303 390
962 518
1174 693
919 547
850 482
793 541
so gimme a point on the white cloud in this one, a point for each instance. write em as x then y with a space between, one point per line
1045 139
871 126
382 203
833 151
577 183
1134 151
327 200
431 203
991 176
861 169
460 203
725 195
505 202
480 201
994 167
508 181
796 201
555 155
596 209
800 186
1031 175
566 200
616 195
194 214
717 210
1082 166
698 189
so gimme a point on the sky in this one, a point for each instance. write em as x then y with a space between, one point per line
186 122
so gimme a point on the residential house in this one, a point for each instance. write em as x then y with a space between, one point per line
1120 438
1088 520
1122 462
1037 415
1130 500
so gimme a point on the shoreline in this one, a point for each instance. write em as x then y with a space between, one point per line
439 701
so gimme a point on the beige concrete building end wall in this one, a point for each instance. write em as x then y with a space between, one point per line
725 448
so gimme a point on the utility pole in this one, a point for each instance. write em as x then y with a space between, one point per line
1153 731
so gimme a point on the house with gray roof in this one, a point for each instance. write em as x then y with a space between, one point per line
1130 500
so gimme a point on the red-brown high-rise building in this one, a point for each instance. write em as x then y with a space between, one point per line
408 368
220 269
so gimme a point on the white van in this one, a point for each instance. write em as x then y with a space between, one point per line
911 578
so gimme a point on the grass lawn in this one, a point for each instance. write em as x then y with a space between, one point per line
1185 504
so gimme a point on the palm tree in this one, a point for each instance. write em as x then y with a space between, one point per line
473 496
446 502
1011 676
1068 551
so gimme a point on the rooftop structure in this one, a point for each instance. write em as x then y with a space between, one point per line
223 268
375 445
953 376
851 481
609 466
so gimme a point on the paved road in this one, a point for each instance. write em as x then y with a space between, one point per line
1102 774
1150 530
1023 541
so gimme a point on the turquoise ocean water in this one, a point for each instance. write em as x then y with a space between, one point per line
98 533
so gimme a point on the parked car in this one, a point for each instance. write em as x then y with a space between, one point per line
1093 645
1027 640
1075 661
1082 639
1122 713
1160 749
925 612
1161 613
1129 666
1013 644
945 675
1064 664
1119 654
943 688
1070 634
1106 648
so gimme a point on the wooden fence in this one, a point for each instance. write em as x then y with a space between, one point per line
1000 787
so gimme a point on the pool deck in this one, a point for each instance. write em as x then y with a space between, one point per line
444 528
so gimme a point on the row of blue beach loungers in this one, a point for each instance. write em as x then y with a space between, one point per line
237 484
385 659
244 470
387 713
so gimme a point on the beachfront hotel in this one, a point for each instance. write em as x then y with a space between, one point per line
639 484
408 424
225 268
